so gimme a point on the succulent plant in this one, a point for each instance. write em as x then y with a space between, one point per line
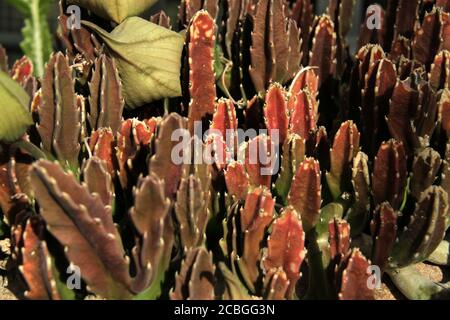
346 170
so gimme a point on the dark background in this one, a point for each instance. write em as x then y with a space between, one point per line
11 21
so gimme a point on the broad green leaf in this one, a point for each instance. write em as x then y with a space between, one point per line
37 41
115 10
14 103
148 57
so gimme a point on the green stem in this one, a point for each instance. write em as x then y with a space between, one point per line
29 147
37 38
319 287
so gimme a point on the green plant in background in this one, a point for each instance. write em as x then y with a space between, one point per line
363 150
37 38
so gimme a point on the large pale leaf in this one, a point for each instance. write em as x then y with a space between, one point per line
13 105
148 57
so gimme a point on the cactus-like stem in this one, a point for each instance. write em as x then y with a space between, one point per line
378 89
293 155
444 4
202 88
225 121
234 289
440 71
305 78
305 193
429 37
345 148
277 284
372 35
444 111
354 278
270 44
260 160
295 50
37 267
162 19
406 16
161 163
425 230
303 108
425 169
323 51
384 230
339 238
192 210
276 113
237 180
256 216
303 14
154 225
59 116
286 248
133 142
358 215
390 174
98 180
196 278
105 101
101 145
84 227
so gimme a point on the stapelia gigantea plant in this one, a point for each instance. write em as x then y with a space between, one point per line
87 178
